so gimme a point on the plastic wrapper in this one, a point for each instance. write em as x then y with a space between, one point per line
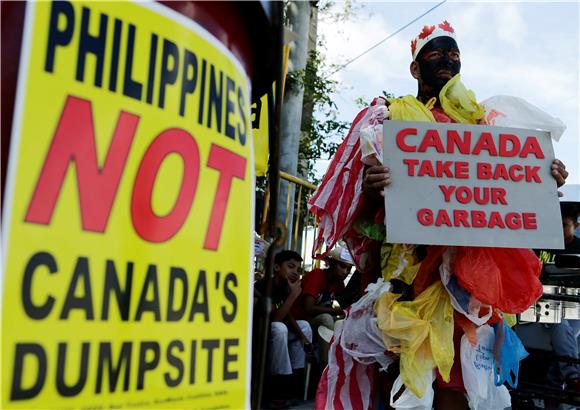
408 108
371 133
462 301
337 199
345 382
399 261
421 331
408 400
477 364
459 103
510 319
504 278
361 337
508 111
511 353
429 269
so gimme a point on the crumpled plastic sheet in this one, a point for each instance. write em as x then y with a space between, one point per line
421 331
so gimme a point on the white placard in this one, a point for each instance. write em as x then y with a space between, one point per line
475 185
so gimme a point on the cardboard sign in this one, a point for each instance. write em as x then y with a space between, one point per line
128 215
457 184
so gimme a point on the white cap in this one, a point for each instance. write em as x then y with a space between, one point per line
341 254
429 33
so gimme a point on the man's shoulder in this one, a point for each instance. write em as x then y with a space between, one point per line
260 284
277 289
314 274
316 271
313 281
574 246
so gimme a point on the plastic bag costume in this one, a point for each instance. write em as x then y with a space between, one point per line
457 291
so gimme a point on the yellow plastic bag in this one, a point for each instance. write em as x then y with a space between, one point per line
459 103
408 108
383 307
399 261
456 100
421 331
510 319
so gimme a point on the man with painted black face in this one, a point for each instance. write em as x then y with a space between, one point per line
435 62
350 206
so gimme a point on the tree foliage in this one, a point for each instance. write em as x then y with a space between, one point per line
322 131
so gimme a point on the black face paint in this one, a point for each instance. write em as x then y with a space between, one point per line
439 61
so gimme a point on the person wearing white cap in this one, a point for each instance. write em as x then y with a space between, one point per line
320 288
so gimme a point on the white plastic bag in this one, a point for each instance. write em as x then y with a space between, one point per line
371 133
461 299
508 111
408 400
477 365
361 337
345 380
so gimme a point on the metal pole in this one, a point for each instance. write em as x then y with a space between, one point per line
265 305
263 227
297 219
299 19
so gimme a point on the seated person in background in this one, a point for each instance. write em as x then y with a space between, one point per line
564 335
290 339
320 288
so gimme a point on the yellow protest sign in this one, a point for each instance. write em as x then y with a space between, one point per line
261 110
260 132
129 214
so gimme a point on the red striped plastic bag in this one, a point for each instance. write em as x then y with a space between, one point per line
345 383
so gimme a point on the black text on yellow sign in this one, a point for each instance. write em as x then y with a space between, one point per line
219 95
130 224
187 300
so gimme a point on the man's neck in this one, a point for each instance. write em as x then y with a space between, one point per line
569 241
424 98
328 274
424 94
330 277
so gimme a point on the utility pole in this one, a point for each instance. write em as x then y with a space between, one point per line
299 13
308 104
307 113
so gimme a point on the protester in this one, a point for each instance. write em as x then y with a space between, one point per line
570 223
349 205
290 339
321 289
